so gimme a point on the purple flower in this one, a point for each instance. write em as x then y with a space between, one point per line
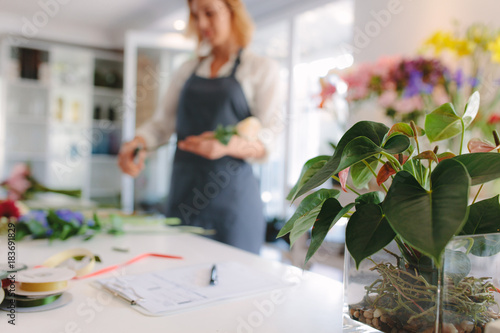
90 222
70 216
459 78
416 85
35 215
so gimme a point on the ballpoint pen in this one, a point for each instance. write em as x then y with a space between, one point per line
213 276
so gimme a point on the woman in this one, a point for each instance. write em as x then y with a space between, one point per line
212 184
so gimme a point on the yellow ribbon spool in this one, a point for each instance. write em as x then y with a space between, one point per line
61 257
42 287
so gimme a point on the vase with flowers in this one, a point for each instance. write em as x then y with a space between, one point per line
412 246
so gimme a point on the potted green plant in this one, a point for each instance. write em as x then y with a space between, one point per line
426 220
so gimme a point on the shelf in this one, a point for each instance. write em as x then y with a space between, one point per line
26 156
28 83
25 119
104 158
108 92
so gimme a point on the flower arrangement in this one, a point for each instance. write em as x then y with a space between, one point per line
51 224
474 53
22 185
449 68
423 203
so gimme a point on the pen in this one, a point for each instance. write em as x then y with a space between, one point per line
117 294
213 276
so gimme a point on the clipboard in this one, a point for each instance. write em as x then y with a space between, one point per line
179 289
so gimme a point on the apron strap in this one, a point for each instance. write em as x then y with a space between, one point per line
236 62
235 66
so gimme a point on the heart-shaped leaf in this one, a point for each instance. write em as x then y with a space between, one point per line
482 167
486 246
362 148
331 212
343 175
471 109
477 145
308 170
371 130
442 123
306 214
427 155
484 217
367 232
361 174
375 197
445 156
405 129
427 220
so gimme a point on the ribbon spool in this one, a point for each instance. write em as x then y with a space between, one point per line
61 257
29 302
43 281
8 269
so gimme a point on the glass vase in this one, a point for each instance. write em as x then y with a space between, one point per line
391 294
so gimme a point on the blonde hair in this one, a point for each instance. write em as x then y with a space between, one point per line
242 24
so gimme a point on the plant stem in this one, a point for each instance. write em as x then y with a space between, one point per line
462 136
350 188
477 194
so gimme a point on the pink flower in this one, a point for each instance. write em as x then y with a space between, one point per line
17 184
407 105
387 98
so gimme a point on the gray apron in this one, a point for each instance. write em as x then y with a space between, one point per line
222 194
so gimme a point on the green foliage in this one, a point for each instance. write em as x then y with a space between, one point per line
426 201
224 134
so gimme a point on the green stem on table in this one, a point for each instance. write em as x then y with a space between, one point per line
477 194
347 186
373 172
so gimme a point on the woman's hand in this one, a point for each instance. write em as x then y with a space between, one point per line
204 145
130 160
207 146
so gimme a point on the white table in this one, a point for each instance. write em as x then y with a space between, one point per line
313 305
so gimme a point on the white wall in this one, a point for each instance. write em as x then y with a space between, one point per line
388 27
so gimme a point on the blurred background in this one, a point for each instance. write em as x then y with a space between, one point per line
77 77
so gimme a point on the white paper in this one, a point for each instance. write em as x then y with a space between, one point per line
168 291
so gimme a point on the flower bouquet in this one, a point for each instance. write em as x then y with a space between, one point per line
22 185
425 220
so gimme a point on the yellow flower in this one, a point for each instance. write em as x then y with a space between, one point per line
494 47
441 40
463 47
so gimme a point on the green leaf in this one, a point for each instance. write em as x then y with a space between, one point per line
471 109
22 231
367 232
443 123
308 170
484 217
371 130
486 246
36 229
415 168
369 198
306 214
362 148
457 265
224 134
331 212
402 128
427 220
427 155
482 167
361 174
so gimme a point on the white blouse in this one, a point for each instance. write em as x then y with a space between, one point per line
259 79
